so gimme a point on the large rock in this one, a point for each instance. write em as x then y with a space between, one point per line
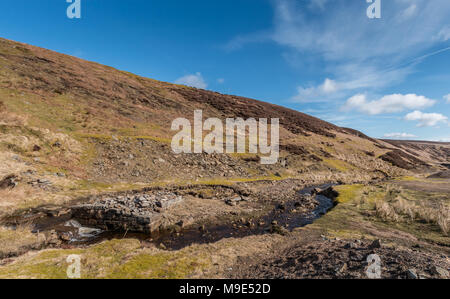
412 274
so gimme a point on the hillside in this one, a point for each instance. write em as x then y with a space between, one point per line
73 131
93 108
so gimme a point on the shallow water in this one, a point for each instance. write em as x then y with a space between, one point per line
213 232
287 218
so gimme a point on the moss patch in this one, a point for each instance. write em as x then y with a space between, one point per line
110 259
339 165
348 192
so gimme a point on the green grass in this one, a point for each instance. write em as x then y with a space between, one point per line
158 266
339 165
408 179
348 192
110 259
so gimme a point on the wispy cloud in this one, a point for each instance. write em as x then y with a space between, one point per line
240 41
320 4
408 13
343 32
193 80
354 53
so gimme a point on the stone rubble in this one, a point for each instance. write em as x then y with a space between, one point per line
134 213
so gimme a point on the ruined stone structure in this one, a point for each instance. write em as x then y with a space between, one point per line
134 213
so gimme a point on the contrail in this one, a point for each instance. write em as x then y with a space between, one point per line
418 59
430 54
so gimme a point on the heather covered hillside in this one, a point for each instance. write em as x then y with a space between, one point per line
85 144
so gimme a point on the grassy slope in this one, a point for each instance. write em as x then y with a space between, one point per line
46 97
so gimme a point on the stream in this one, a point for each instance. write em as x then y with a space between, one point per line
282 219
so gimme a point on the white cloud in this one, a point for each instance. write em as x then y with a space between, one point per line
393 103
400 135
426 119
317 93
221 80
329 86
194 80
444 34
366 77
447 98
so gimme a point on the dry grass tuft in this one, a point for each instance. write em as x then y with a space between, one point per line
401 209
20 238
386 211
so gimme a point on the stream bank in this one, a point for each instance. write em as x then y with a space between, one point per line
64 230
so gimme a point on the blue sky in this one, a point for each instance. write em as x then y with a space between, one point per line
385 77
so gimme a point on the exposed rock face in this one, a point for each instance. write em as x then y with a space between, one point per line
136 213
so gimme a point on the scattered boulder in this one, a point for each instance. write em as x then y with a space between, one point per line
351 245
233 201
330 259
10 181
278 229
41 183
375 244
342 269
412 274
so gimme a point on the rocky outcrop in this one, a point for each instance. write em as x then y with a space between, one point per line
134 213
